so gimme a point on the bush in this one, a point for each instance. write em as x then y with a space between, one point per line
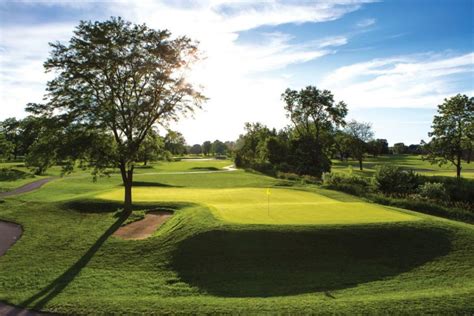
458 190
392 180
426 206
433 191
347 183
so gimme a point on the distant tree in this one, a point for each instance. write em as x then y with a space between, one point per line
377 147
250 145
276 149
119 80
230 146
152 147
414 149
342 144
313 113
218 148
399 148
6 147
452 132
360 133
10 128
196 149
175 143
206 147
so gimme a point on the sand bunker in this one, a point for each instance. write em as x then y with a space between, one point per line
144 228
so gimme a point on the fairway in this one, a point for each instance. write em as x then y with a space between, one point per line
285 206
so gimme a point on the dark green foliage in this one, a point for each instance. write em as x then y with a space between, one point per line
393 180
6 147
399 149
351 184
378 147
433 191
453 132
7 174
175 143
206 148
218 148
196 149
426 206
458 190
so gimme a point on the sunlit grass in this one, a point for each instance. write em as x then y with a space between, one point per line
282 207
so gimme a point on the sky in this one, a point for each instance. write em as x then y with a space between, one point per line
391 61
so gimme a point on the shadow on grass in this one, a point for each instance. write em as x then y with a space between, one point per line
154 184
205 168
7 174
265 263
106 206
40 299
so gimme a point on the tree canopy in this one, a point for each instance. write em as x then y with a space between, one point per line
452 132
120 79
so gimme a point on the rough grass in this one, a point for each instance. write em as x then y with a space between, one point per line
67 260
286 207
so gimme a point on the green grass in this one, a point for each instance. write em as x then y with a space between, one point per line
286 207
406 161
67 260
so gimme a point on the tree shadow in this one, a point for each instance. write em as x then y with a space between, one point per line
107 206
7 174
265 263
205 168
40 299
154 184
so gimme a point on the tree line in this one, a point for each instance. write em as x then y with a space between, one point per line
320 132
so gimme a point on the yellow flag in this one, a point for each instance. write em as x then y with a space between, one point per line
268 191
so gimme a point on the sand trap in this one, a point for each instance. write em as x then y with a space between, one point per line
143 229
9 234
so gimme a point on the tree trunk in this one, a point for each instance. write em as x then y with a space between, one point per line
127 179
360 165
128 198
458 167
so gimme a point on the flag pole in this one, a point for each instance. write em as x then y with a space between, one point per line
268 204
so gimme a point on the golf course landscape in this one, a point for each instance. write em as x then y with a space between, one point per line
234 157
237 242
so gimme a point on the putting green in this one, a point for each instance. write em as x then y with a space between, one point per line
287 207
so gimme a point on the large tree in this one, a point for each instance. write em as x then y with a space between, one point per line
314 114
452 132
120 79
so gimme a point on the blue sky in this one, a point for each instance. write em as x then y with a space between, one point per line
392 62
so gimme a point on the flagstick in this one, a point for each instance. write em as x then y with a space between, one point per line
268 204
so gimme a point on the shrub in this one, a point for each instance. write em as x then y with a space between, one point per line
426 206
458 190
433 191
347 183
288 176
394 180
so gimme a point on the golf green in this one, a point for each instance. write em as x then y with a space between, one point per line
279 207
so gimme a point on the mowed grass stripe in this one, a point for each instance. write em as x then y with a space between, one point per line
286 207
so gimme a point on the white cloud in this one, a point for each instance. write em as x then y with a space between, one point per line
234 73
366 23
420 81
